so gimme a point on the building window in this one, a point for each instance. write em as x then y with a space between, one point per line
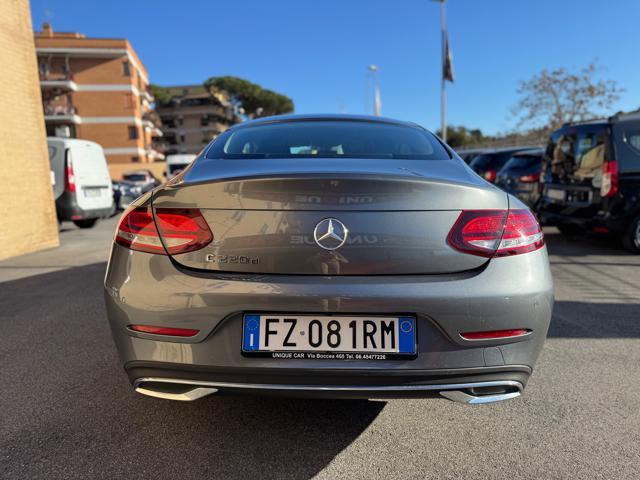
135 159
182 138
180 121
126 69
133 133
168 122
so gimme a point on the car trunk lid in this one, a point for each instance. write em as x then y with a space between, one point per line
267 217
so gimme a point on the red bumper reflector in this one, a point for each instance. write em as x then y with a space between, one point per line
495 334
174 332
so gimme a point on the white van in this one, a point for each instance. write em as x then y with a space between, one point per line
81 181
177 163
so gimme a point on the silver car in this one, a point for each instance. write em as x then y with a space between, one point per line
333 256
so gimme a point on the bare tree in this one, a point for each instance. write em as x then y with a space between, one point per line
554 97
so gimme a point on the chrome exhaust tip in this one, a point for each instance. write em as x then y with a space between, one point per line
480 396
174 391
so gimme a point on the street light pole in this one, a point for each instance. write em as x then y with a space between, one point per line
376 90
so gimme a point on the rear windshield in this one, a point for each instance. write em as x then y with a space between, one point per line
177 168
523 161
328 139
577 151
135 177
490 160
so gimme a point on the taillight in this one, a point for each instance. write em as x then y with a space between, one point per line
173 231
496 233
69 178
533 178
490 175
182 229
138 231
609 179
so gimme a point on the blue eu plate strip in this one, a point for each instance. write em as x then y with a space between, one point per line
407 334
251 337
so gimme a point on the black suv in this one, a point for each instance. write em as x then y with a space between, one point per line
520 176
591 178
488 163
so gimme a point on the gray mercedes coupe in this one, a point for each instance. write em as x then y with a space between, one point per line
329 256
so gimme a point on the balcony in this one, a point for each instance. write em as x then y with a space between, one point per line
150 127
60 114
60 82
147 96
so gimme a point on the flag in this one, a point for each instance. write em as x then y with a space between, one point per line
447 60
378 102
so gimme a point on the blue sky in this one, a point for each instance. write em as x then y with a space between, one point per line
317 51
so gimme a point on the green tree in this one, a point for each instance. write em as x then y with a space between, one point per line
462 136
254 100
161 94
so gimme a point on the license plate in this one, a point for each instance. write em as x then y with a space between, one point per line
329 336
556 194
92 192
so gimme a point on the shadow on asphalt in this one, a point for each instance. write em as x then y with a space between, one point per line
595 320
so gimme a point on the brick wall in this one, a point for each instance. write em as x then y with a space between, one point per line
26 198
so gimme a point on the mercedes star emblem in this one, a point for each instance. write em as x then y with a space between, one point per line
330 234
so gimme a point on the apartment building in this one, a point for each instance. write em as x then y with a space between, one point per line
192 118
97 89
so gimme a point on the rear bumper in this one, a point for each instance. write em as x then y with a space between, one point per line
67 208
514 292
482 391
527 192
176 382
611 224
351 383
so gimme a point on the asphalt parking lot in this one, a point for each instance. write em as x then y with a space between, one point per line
67 410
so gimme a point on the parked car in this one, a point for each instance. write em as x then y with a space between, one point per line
126 192
488 163
520 176
592 178
468 154
81 181
327 255
144 178
178 162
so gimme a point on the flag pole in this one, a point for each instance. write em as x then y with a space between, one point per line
443 93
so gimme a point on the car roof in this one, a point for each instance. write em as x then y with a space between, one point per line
470 150
594 121
491 151
326 117
71 141
530 151
627 117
